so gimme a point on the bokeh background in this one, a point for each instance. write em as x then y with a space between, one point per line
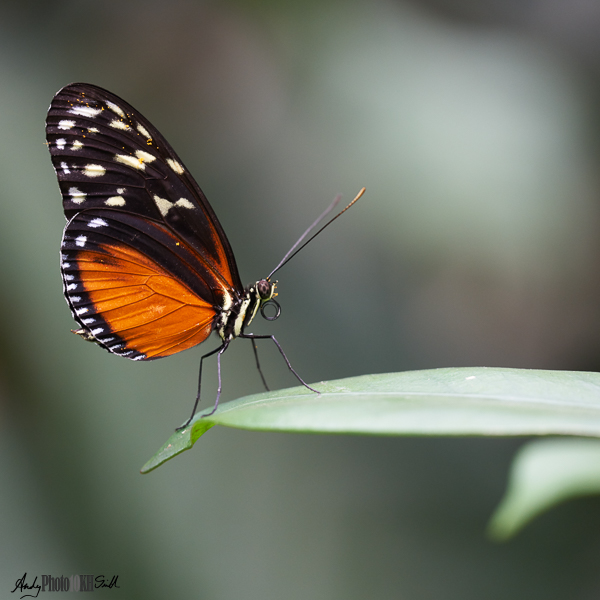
474 127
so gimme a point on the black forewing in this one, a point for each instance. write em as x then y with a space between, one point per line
108 156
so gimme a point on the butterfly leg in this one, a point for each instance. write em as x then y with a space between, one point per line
253 337
258 365
220 349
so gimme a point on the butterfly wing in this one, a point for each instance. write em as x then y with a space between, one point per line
146 264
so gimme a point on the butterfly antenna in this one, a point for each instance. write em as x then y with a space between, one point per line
335 202
294 249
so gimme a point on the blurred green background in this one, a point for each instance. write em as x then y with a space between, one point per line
474 127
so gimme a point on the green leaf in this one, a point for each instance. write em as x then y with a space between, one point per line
543 474
179 442
462 401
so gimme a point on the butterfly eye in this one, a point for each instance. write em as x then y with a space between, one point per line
265 289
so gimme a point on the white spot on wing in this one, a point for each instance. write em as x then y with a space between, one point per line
163 205
60 143
77 196
115 108
85 111
80 241
97 223
81 311
71 286
138 161
94 170
184 203
143 131
145 156
175 166
68 277
75 298
65 168
66 124
97 331
115 201
120 190
130 161
116 124
93 130
77 145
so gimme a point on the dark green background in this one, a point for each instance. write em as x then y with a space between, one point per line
473 127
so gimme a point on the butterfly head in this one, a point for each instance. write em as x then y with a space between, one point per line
266 295
266 289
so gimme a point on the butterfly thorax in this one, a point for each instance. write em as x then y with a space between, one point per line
232 319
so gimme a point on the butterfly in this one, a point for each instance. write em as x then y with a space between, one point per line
146 266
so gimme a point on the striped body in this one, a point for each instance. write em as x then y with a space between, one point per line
230 323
